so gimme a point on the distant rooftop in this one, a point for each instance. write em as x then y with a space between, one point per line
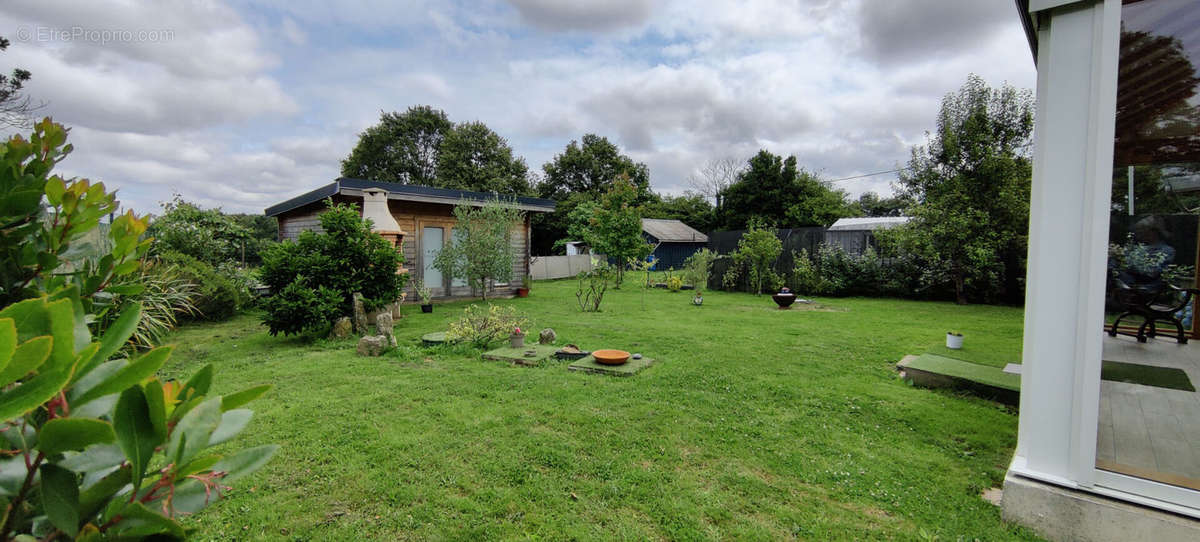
408 192
672 231
868 223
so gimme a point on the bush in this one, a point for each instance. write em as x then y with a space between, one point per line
805 279
298 308
481 327
165 297
216 296
592 286
345 258
755 256
696 267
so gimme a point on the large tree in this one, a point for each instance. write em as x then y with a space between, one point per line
16 108
402 148
473 157
691 208
584 171
872 204
776 190
715 176
970 183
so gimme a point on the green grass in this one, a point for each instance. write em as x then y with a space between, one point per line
754 424
975 372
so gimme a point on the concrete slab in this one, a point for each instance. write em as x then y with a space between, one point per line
1059 513
517 355
629 368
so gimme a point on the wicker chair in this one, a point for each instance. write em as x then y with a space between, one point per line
1154 304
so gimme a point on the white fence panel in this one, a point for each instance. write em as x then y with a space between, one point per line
557 267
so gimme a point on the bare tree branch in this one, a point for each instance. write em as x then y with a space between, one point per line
715 176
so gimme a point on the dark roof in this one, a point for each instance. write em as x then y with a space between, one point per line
410 192
672 231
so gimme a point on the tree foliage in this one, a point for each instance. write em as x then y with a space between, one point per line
481 251
207 235
614 226
871 204
583 172
473 157
755 256
97 447
775 189
690 208
16 107
970 183
313 280
402 148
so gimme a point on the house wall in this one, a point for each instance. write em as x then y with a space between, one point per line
672 255
413 217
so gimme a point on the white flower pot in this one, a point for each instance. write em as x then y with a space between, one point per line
954 342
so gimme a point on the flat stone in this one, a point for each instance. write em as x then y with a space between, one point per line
517 355
629 368
435 338
1013 368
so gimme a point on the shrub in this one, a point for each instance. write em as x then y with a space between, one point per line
592 286
804 279
207 235
346 258
482 326
755 255
216 297
298 308
674 283
165 297
83 429
696 268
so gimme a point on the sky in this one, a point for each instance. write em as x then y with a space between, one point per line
242 104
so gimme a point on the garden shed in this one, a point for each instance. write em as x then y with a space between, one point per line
673 241
421 221
854 235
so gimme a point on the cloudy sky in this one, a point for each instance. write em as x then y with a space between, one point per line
241 104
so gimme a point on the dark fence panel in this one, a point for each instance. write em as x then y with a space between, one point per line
794 240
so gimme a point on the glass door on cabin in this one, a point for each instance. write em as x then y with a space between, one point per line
431 244
457 282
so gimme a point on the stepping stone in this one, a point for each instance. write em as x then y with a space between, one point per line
629 368
434 339
517 355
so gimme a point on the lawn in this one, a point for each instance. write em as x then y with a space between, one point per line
755 424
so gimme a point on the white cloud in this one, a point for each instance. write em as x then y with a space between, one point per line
250 103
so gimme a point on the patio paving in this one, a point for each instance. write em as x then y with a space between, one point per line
1145 431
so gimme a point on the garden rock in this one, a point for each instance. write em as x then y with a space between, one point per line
341 328
384 325
547 336
372 345
360 315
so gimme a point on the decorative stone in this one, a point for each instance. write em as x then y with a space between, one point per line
384 325
341 328
360 315
547 336
372 345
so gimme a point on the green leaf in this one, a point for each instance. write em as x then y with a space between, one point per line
117 335
73 434
245 462
81 333
232 423
60 498
95 458
8 341
135 431
198 384
92 499
62 328
234 400
156 401
193 431
30 318
200 464
27 357
32 394
138 521
54 191
137 371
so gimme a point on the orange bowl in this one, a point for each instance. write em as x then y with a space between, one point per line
610 357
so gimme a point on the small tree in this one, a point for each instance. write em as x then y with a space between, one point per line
697 267
756 252
314 279
615 226
481 251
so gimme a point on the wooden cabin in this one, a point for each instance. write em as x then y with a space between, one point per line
421 223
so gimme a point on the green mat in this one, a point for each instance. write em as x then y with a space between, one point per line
1146 375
